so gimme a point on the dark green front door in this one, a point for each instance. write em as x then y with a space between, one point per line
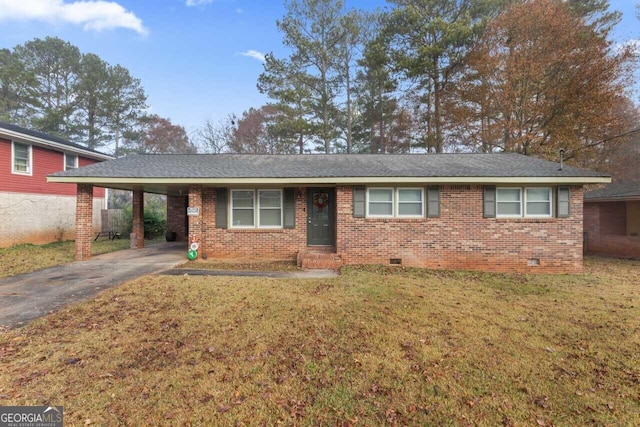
321 216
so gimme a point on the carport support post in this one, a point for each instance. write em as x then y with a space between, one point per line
195 221
84 221
137 226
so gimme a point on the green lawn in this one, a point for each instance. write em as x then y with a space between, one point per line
21 259
374 346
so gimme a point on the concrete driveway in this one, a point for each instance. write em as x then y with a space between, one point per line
27 296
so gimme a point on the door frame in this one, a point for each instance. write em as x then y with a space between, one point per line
332 214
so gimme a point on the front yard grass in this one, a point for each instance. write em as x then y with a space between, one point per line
375 346
20 259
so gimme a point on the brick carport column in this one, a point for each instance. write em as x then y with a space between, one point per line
137 218
195 222
84 221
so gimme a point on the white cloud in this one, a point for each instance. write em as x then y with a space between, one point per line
254 54
239 10
198 2
94 15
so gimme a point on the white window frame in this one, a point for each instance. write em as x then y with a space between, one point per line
29 171
498 215
258 218
68 166
550 202
256 209
397 203
393 203
253 208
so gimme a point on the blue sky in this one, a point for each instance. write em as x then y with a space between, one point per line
193 56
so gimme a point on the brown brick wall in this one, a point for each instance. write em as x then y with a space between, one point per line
196 222
460 239
176 216
605 225
592 218
84 221
252 243
618 246
613 218
137 219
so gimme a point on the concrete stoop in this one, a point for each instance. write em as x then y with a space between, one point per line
324 258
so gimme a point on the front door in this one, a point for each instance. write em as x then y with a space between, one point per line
321 216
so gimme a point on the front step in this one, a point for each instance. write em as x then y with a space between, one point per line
324 258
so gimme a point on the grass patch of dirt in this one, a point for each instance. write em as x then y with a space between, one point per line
20 259
246 265
374 346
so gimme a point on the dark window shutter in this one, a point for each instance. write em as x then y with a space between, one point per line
289 208
563 202
358 202
489 201
222 201
433 201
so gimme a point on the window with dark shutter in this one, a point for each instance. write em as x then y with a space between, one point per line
563 203
433 201
489 201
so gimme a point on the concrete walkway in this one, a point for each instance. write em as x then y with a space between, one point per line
27 296
305 274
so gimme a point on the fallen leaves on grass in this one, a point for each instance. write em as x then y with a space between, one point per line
374 346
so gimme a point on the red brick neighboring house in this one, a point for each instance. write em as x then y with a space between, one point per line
612 220
32 210
493 212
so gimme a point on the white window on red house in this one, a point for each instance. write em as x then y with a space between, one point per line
21 158
256 208
380 202
270 208
70 161
537 202
410 202
508 202
242 209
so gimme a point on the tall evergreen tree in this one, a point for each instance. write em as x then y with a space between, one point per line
92 91
313 30
55 65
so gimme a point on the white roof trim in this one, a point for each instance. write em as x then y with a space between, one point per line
105 181
24 138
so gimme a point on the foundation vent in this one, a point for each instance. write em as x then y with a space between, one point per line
395 261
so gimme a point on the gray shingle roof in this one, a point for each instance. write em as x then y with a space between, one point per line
42 135
617 190
231 166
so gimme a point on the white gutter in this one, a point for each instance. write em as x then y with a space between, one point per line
105 181
24 138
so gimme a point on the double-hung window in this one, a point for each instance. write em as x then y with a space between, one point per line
509 202
380 202
410 202
256 208
270 208
533 202
537 202
21 158
395 202
70 161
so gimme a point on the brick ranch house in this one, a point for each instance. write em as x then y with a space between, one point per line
32 210
612 220
494 212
